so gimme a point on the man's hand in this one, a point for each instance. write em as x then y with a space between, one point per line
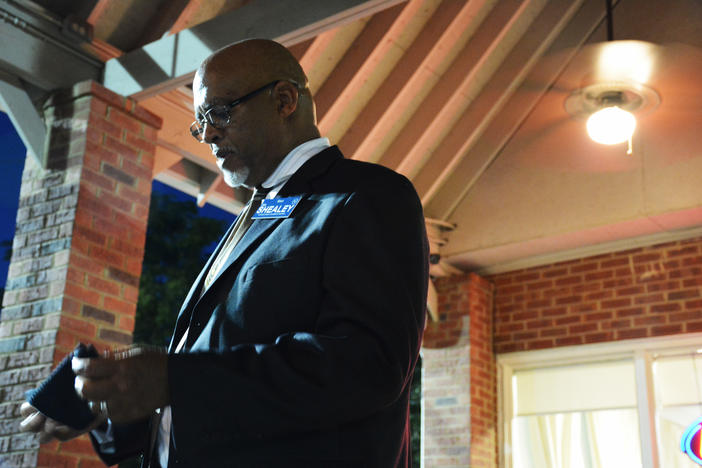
129 384
49 429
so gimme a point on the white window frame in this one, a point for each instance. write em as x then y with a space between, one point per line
641 351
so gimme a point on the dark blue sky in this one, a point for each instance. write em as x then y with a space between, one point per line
12 153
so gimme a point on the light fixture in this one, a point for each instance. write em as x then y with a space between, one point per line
610 109
611 124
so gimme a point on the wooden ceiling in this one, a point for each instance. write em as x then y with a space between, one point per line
467 99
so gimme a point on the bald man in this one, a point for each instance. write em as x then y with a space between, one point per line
295 346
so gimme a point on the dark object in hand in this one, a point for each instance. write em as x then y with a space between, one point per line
56 398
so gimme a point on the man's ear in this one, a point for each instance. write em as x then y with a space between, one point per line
287 96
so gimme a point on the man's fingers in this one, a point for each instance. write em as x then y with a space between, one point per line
26 409
33 423
95 368
95 390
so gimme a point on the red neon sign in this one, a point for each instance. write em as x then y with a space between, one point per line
691 442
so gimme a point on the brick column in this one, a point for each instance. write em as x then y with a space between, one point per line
77 253
459 400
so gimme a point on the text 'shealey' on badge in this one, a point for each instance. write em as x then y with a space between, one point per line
276 207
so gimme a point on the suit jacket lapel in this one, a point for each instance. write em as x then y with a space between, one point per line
297 185
194 294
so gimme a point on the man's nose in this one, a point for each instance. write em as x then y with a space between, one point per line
210 133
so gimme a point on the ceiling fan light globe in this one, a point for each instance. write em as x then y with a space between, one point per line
611 125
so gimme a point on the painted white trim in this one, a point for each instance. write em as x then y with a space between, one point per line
591 250
662 345
646 405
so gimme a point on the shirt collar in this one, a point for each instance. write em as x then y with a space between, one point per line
292 162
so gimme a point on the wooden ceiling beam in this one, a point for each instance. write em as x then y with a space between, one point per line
327 49
400 96
354 58
376 67
452 93
171 61
461 161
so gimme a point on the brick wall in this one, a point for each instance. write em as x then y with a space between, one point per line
644 292
77 253
458 381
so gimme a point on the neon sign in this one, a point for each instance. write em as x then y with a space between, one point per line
691 441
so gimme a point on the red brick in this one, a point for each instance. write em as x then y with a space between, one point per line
538 324
106 126
606 274
630 291
99 154
569 341
540 344
56 460
648 299
87 264
82 294
116 202
90 235
133 195
123 120
140 143
568 280
116 305
688 294
98 180
539 285
590 266
107 256
693 326
582 328
528 315
649 320
554 312
615 262
77 325
667 330
125 151
689 250
527 276
624 323
629 312
616 303
568 319
126 324
685 316
599 337
669 307
137 170
569 300
598 316
552 332
631 333
553 272
80 445
103 285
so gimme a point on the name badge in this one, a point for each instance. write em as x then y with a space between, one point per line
276 207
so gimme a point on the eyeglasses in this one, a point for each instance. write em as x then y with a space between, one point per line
220 116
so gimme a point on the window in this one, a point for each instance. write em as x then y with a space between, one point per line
623 404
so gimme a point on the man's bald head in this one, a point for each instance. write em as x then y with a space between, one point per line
252 63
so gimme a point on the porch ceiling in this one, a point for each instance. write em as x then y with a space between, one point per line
466 98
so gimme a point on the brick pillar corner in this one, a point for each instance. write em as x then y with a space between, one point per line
77 253
459 400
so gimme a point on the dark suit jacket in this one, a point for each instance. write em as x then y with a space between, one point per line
302 350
